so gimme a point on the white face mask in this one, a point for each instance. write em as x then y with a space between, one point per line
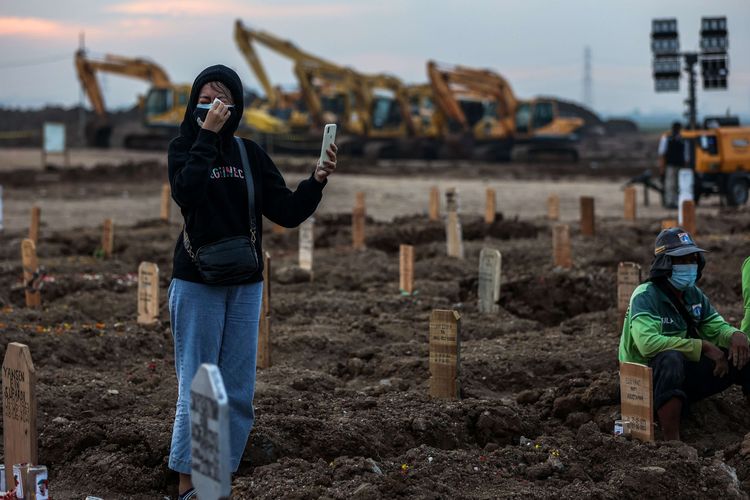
201 111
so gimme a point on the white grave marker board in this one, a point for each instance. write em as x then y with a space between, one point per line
209 433
54 137
306 244
490 263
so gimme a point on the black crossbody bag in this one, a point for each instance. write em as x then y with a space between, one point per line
233 260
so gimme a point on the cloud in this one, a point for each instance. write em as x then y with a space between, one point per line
186 8
36 27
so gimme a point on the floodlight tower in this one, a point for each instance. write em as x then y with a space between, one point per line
667 58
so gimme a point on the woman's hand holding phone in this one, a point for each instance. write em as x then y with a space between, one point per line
327 167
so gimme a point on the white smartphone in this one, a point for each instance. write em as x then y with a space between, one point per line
329 137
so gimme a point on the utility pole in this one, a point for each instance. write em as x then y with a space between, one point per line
588 98
81 110
691 59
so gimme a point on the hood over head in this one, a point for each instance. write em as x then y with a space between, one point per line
673 242
189 127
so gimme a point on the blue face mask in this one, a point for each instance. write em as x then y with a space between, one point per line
684 275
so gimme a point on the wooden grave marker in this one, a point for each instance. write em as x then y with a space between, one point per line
688 217
166 202
637 400
19 409
434 204
453 230
36 216
148 293
306 244
561 246
108 237
490 265
490 208
358 228
31 278
553 207
406 269
587 216
264 326
209 434
359 200
630 203
628 279
669 223
445 354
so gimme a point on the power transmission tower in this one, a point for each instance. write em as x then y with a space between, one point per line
588 95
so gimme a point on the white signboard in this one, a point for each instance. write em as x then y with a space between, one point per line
209 433
54 137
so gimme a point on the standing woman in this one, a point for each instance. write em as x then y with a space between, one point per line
217 276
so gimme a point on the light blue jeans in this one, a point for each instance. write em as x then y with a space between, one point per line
219 325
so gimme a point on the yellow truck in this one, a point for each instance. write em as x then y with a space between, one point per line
721 157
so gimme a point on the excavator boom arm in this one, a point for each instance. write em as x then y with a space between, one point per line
135 68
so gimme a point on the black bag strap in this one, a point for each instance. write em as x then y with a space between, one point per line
250 186
692 328
250 200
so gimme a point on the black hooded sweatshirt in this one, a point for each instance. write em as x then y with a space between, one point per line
207 181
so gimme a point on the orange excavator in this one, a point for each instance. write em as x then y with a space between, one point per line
483 118
162 108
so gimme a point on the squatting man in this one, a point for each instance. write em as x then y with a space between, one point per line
672 327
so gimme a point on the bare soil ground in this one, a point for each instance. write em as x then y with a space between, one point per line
344 411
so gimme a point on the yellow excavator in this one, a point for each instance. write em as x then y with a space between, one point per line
483 118
328 93
162 108
281 112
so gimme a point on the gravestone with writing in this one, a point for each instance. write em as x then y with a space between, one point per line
445 354
19 408
406 269
148 293
453 230
32 280
209 434
264 325
637 400
434 204
628 279
306 243
490 264
561 246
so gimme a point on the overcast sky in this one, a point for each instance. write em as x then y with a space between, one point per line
537 45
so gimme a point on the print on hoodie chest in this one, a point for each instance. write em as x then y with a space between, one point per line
227 172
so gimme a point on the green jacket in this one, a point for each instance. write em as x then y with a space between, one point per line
653 324
745 326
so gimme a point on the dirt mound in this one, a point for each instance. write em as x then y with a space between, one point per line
344 411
